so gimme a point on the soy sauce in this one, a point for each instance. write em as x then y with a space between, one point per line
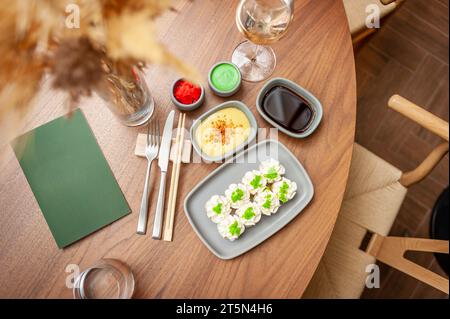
288 109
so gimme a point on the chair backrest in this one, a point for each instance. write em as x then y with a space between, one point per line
430 122
391 250
356 11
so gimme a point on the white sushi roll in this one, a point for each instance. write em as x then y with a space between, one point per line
272 170
284 189
249 214
255 181
231 227
267 202
238 195
217 208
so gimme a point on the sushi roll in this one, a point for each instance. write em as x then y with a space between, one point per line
267 202
231 227
217 208
238 195
272 170
255 181
249 214
284 189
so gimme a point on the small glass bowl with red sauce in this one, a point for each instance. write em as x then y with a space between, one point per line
186 95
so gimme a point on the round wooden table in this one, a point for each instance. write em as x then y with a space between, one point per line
316 53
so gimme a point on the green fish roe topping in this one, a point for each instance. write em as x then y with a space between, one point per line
235 230
283 192
268 201
271 173
218 209
237 195
249 213
256 182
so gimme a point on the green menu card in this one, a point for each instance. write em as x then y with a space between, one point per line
70 178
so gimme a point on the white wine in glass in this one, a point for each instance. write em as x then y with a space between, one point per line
262 22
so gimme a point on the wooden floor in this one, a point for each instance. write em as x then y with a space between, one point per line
409 56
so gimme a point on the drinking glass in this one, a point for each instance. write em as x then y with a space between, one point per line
262 22
106 279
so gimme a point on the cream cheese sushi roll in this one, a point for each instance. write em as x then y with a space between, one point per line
217 208
249 214
267 202
255 181
231 227
284 189
238 195
272 170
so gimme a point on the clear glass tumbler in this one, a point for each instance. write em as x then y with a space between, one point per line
126 94
106 279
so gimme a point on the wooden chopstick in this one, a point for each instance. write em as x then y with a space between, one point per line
168 229
172 178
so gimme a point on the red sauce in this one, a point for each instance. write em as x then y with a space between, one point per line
186 92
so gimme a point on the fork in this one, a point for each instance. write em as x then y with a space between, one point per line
151 152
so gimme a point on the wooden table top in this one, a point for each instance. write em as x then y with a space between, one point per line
316 53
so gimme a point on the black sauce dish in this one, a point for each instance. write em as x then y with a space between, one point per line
289 107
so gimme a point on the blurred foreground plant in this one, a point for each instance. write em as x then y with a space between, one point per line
35 40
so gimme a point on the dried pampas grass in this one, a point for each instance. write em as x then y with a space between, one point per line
129 45
85 65
35 41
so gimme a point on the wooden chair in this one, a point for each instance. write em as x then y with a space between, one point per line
356 15
374 194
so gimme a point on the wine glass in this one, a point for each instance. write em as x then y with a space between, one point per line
262 22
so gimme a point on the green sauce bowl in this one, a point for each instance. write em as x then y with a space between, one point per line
225 79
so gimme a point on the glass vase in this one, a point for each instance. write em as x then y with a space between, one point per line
126 94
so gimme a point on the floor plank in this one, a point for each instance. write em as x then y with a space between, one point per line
392 43
372 59
425 9
438 106
444 2
372 103
420 32
419 89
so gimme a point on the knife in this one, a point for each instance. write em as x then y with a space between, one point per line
163 163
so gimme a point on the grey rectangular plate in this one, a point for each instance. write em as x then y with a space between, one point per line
231 172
